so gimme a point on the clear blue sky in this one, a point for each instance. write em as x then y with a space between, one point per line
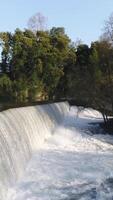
82 19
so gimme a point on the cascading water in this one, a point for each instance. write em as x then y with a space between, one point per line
73 164
23 131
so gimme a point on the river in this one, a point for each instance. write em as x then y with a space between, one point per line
73 164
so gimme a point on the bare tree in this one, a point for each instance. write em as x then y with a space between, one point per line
108 30
107 37
37 22
78 42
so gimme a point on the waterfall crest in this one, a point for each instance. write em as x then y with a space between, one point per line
22 131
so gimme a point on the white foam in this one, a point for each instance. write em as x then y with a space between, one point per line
70 165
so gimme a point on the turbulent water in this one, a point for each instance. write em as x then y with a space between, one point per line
22 132
72 164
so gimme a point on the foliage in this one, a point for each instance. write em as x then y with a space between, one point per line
47 65
34 63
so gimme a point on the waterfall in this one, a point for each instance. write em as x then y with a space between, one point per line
23 131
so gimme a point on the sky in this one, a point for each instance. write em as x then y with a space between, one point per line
83 19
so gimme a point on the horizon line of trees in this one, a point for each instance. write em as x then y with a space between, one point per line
47 65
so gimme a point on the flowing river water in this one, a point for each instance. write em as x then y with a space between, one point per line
72 164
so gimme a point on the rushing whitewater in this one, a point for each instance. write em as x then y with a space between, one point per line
22 132
50 153
73 164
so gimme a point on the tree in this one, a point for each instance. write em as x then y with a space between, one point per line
36 62
108 29
104 97
37 22
95 77
65 86
63 56
107 38
6 55
83 53
5 86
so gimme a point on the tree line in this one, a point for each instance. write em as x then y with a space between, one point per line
47 65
